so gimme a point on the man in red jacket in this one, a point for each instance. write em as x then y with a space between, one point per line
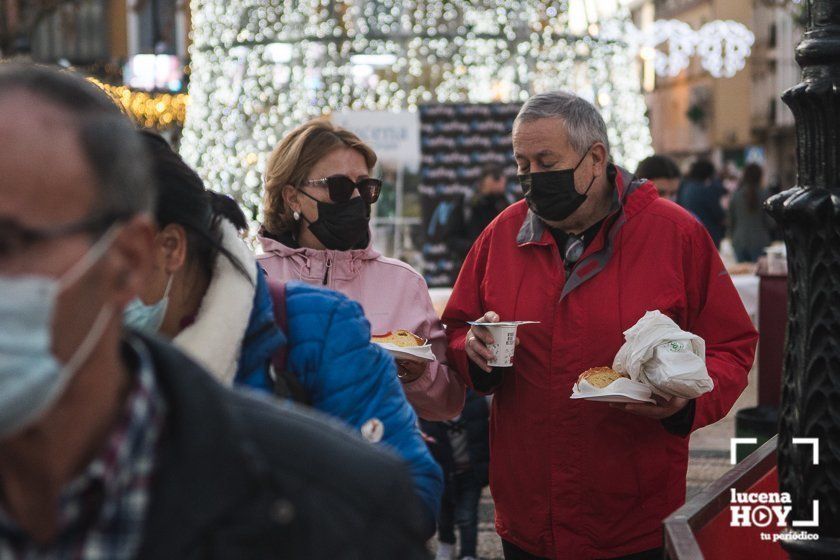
588 252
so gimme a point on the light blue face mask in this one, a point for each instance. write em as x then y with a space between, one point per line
31 377
147 318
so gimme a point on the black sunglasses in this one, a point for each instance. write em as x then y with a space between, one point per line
341 187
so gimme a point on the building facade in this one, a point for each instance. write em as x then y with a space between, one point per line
774 70
96 36
734 120
694 114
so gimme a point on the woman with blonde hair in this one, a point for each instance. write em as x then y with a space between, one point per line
318 194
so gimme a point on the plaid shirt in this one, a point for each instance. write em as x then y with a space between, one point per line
101 513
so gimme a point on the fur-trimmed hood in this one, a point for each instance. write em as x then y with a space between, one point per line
215 338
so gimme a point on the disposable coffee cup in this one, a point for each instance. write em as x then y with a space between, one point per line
504 337
504 340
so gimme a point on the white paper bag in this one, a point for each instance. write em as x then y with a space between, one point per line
658 353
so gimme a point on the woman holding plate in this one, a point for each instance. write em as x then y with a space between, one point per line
318 197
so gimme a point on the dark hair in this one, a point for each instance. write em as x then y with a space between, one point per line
108 139
183 200
701 170
751 183
657 167
491 170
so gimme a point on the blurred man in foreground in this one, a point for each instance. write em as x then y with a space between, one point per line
114 445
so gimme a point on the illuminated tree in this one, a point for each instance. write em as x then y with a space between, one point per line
261 67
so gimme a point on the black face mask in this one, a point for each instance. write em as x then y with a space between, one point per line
551 195
340 225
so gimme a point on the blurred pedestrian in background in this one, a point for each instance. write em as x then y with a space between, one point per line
488 202
749 224
664 173
462 448
700 194
475 211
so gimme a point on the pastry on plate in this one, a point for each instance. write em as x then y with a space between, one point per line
600 377
399 338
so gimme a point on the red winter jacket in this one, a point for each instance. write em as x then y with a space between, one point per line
578 479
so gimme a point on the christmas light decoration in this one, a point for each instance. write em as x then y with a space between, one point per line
723 46
262 67
681 40
157 111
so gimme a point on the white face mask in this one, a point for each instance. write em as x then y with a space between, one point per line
147 318
31 378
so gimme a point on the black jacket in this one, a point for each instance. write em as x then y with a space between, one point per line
242 478
483 210
475 420
472 217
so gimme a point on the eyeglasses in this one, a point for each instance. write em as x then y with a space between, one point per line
15 238
341 187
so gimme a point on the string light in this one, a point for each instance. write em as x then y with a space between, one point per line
723 46
157 111
681 40
262 67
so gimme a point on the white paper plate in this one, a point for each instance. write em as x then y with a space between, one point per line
502 323
619 391
612 397
422 353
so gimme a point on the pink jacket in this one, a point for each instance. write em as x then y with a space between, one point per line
393 296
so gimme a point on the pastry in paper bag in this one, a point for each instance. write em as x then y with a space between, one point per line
660 354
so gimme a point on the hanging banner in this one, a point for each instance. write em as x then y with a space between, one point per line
395 137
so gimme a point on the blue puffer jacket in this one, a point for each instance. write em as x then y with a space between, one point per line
344 375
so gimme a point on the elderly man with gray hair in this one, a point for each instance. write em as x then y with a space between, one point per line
587 253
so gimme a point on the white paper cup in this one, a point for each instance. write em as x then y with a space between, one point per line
504 336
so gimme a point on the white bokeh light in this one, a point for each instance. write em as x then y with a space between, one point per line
262 67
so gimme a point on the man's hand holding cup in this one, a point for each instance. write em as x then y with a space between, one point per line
478 341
